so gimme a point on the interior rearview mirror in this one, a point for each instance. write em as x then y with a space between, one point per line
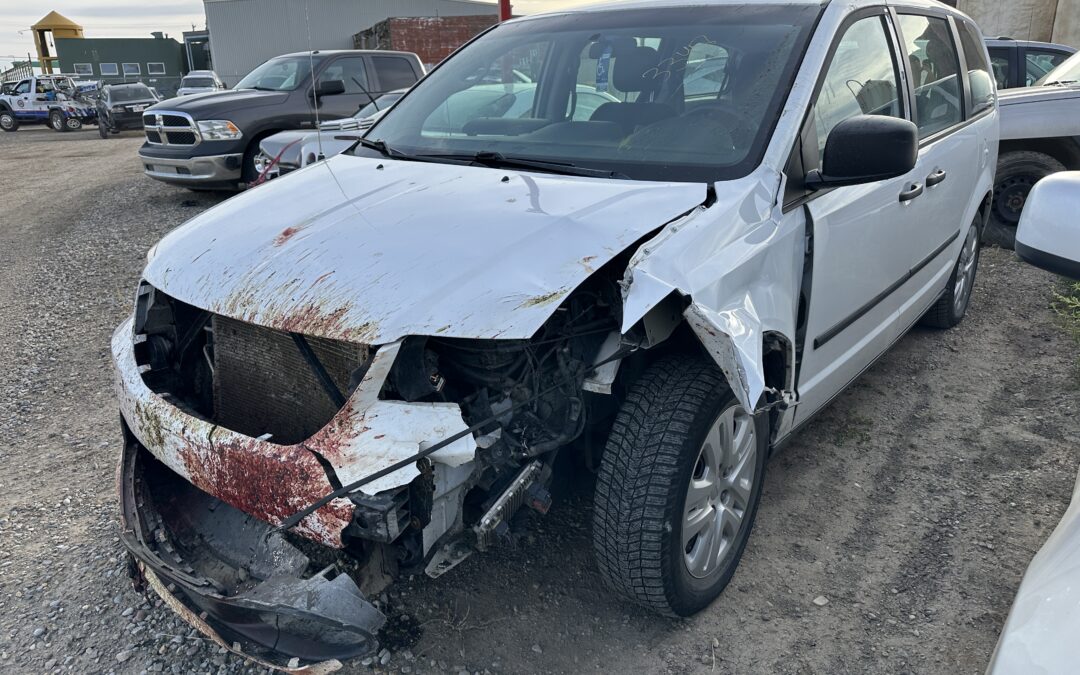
866 149
330 88
1048 235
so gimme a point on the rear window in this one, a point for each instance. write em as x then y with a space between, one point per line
980 76
130 94
196 82
394 72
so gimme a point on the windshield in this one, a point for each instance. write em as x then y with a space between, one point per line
1066 73
120 94
197 82
381 103
680 94
284 73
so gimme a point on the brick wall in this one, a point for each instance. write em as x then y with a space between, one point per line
431 38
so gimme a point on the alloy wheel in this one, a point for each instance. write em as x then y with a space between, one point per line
965 270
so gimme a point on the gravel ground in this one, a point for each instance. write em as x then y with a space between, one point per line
892 535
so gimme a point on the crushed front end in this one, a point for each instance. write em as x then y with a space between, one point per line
231 427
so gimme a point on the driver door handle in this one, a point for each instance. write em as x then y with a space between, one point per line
935 178
913 191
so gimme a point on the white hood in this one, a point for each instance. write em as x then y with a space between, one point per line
374 250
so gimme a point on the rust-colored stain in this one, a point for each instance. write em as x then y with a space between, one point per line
286 234
540 300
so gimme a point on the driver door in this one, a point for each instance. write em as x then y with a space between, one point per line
353 73
859 232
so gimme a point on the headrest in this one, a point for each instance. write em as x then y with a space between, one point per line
635 69
616 44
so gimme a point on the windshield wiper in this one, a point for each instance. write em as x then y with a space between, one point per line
499 160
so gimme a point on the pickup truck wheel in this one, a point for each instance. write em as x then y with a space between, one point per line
1017 172
950 308
248 173
678 487
8 121
56 121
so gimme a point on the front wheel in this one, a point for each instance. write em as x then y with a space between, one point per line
678 487
56 120
951 307
73 123
8 121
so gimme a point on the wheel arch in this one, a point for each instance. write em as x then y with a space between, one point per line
1065 149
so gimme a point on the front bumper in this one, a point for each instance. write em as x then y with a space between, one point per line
195 171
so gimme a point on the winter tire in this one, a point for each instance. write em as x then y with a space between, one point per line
678 487
1017 172
950 308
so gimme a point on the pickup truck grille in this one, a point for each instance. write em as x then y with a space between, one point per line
164 128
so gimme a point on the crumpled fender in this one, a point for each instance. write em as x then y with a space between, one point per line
739 261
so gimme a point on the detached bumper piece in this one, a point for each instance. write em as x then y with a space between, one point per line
237 581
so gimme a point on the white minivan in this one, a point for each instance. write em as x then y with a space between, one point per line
366 368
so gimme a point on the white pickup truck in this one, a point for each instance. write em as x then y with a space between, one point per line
55 100
1040 135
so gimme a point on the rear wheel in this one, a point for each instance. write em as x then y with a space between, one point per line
8 121
73 123
56 120
951 307
102 127
678 488
1017 172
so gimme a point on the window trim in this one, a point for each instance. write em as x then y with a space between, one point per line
116 69
89 67
969 108
149 70
961 64
125 73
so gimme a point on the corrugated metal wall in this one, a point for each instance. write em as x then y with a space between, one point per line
244 33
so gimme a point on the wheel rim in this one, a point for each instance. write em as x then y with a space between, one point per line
1011 196
6 121
718 496
965 270
57 122
73 123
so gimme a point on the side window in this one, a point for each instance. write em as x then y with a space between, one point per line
935 70
999 62
861 79
350 70
1039 62
394 72
707 75
23 87
982 82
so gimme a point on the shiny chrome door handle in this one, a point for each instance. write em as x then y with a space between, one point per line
935 178
912 192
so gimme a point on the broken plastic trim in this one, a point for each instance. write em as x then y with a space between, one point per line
249 587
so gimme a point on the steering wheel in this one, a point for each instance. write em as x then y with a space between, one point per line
739 126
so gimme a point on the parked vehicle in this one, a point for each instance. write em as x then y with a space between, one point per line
121 106
1021 63
384 354
45 99
1040 135
200 82
210 141
1039 634
290 150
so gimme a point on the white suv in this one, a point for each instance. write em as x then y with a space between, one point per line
383 353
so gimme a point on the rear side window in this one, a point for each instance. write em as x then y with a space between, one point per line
394 72
935 70
979 75
350 70
1039 62
861 79
999 62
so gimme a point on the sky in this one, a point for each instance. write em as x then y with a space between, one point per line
136 18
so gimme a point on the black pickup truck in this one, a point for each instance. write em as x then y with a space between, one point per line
209 141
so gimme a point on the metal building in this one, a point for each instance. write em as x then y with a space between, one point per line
244 33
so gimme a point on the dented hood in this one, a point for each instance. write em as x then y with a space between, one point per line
373 250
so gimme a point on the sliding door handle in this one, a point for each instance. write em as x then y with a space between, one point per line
913 191
935 178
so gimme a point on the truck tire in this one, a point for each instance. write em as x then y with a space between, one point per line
1017 172
56 120
950 308
678 488
8 121
102 128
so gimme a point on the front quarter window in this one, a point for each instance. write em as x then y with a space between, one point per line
672 93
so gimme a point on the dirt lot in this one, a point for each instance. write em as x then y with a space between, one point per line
913 503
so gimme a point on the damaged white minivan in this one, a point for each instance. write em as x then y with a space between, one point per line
650 238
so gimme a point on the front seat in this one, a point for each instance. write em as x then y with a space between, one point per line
636 69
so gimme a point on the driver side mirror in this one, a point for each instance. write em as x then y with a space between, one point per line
329 88
1048 235
866 149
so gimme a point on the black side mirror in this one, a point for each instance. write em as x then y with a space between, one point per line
330 88
866 149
